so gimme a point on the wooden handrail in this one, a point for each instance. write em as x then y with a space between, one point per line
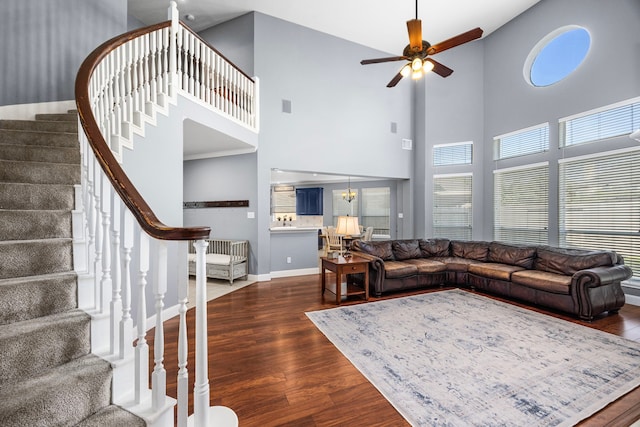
118 178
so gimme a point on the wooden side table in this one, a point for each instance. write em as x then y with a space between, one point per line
345 266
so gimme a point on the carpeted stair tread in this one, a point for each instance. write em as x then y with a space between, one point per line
112 416
42 125
27 196
37 153
30 347
22 258
63 396
39 172
65 117
39 138
25 298
32 224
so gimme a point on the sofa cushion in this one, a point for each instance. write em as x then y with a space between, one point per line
470 250
492 270
406 249
426 266
543 280
380 249
456 264
434 247
522 256
569 261
395 269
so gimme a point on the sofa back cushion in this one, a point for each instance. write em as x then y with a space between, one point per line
381 249
434 247
478 251
406 249
522 256
569 261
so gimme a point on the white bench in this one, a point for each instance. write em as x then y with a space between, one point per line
225 259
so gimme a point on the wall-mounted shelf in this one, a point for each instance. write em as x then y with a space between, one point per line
217 204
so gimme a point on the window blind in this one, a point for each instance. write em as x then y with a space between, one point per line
531 140
521 204
452 206
459 153
376 209
607 122
600 203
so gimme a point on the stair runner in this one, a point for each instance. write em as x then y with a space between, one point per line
48 376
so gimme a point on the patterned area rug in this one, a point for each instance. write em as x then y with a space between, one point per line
453 358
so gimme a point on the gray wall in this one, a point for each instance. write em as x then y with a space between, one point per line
341 111
610 73
487 95
224 178
45 41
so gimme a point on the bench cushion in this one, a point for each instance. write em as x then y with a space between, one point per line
218 259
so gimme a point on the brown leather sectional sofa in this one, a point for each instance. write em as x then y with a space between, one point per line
576 281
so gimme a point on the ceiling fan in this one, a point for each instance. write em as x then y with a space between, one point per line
418 50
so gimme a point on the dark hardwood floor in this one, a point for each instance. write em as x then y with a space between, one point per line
269 363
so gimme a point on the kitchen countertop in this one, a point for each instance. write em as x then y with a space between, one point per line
293 229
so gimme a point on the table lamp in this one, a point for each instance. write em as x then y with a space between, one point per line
348 226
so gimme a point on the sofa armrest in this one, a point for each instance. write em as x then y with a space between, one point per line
376 270
602 276
598 289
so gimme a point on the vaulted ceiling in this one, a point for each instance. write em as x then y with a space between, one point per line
379 24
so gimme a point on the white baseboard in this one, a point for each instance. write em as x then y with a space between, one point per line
29 111
299 272
632 299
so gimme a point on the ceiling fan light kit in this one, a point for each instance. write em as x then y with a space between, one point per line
417 51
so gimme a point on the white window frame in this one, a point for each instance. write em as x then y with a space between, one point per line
565 122
498 142
449 145
520 226
455 229
608 224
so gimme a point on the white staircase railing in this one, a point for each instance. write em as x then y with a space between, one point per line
119 244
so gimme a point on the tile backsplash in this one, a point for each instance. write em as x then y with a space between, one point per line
296 220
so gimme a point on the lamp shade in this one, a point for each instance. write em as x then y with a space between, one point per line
348 225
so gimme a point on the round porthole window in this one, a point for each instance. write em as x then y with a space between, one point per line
557 55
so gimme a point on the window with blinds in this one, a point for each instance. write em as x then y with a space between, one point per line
459 153
600 203
376 210
452 208
534 139
606 122
521 204
341 207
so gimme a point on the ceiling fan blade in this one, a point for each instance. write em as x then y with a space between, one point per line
394 81
439 69
476 33
378 60
415 34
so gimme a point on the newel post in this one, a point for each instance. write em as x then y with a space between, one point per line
203 414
